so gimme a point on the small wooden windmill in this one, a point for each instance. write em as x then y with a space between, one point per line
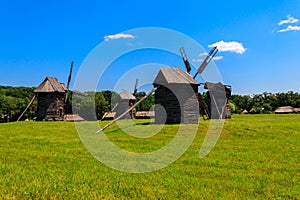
52 99
124 101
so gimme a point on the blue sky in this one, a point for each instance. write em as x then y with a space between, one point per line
41 38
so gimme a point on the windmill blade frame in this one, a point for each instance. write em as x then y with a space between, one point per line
185 60
208 58
135 87
68 86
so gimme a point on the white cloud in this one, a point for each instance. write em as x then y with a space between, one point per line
117 36
218 58
197 60
235 47
290 28
289 20
200 60
203 54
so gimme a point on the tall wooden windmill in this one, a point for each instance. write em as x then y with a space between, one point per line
51 94
52 98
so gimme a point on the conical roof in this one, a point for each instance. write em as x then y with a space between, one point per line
126 95
51 84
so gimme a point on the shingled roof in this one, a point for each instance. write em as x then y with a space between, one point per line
174 75
51 84
126 95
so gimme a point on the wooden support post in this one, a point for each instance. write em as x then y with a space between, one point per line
26 108
203 109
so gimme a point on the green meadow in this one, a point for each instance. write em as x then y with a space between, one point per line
256 157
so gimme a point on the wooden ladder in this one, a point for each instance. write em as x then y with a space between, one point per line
202 107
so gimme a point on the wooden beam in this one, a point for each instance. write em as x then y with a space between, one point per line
68 86
26 108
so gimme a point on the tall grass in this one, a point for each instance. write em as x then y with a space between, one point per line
256 157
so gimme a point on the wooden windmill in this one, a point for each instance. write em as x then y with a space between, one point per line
124 101
52 99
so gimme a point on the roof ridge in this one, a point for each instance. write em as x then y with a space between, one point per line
174 75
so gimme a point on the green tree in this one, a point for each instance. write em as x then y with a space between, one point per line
232 107
101 105
87 106
146 104
242 102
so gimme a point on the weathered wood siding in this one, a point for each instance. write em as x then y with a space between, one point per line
219 103
50 106
123 105
179 102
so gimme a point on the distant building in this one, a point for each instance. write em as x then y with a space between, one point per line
144 114
51 100
177 96
285 110
4 118
73 118
245 111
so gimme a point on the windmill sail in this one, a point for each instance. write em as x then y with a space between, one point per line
185 60
68 86
208 58
135 87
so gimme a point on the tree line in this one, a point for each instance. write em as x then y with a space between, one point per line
13 101
264 103
105 101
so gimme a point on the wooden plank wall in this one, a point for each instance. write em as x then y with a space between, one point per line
219 107
50 106
170 97
123 105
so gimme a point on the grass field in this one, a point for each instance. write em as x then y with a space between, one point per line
256 157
